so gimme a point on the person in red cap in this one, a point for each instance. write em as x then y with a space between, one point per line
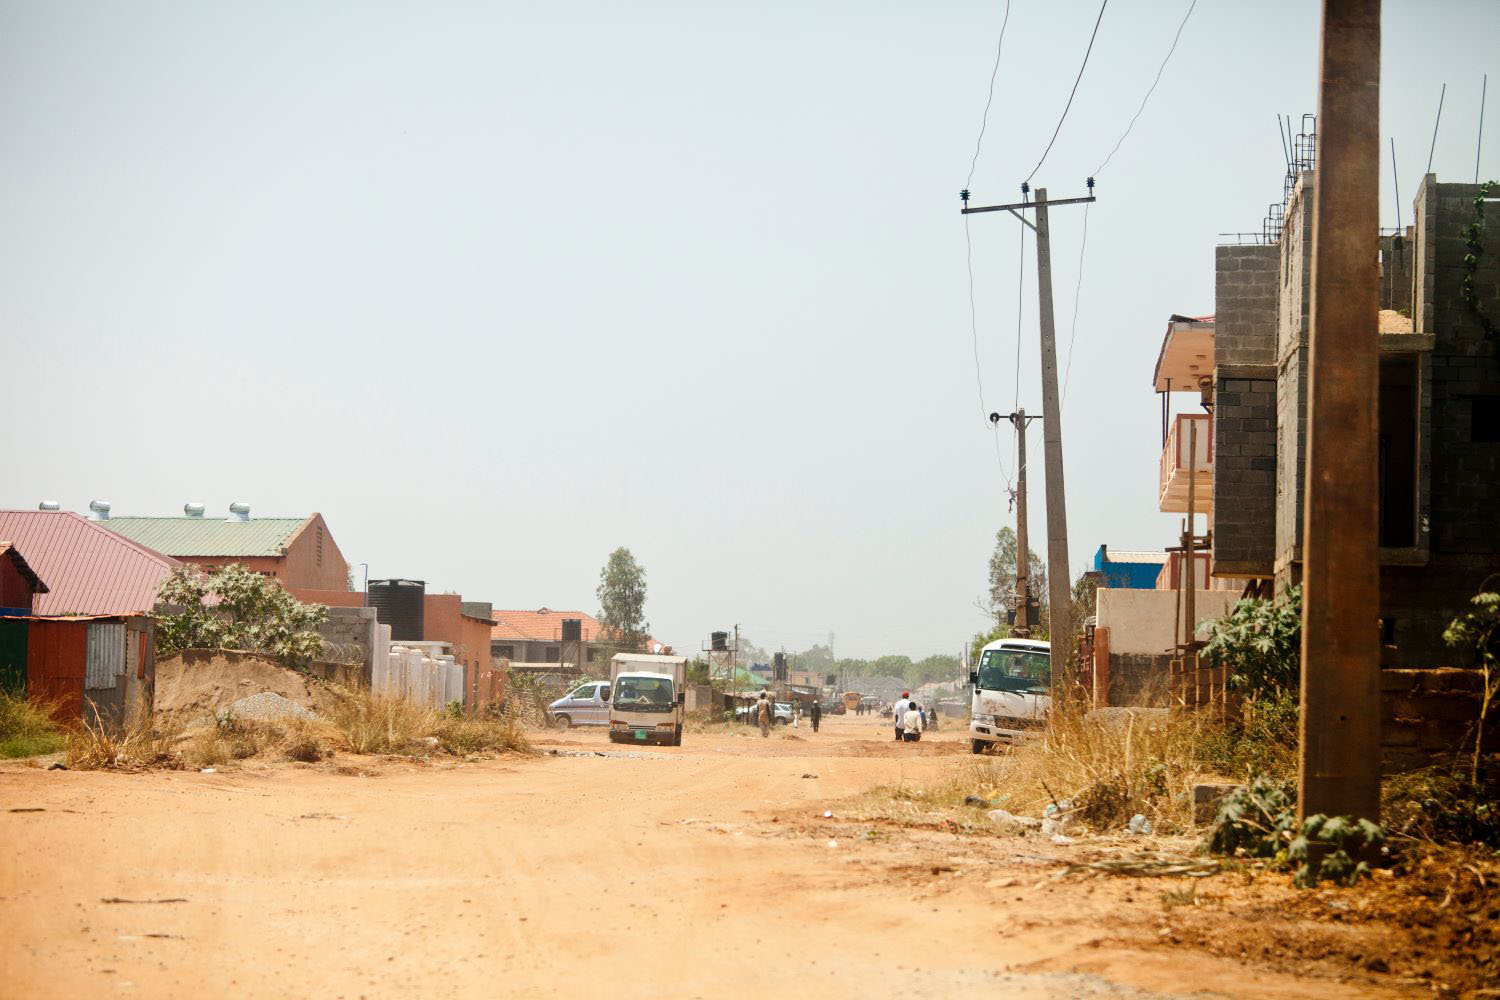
899 710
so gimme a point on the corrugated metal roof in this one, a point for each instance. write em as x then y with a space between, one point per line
209 536
88 569
9 551
1113 556
541 625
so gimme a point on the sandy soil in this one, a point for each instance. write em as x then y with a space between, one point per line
707 870
198 682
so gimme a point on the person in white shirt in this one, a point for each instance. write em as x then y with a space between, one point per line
911 724
898 713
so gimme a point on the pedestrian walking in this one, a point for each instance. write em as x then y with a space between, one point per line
898 713
763 715
911 724
932 718
815 715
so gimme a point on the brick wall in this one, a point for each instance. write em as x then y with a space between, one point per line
1397 267
1246 299
1138 679
1427 714
1243 519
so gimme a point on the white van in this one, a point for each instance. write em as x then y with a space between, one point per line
648 698
1012 691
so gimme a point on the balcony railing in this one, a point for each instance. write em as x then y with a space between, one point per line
1176 459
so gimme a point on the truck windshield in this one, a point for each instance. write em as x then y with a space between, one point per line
1015 670
643 694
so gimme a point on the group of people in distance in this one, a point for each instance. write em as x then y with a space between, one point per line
910 719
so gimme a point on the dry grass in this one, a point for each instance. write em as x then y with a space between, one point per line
1111 769
28 727
96 746
230 739
373 724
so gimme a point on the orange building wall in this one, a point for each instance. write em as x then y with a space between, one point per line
300 568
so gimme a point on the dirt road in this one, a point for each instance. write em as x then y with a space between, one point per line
705 871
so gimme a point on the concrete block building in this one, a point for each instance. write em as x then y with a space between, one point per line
1438 410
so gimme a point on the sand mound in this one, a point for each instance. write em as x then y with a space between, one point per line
200 681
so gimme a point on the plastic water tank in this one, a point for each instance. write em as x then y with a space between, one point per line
401 605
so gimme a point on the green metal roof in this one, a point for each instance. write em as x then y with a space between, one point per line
208 536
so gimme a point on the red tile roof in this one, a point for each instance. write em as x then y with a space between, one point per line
89 570
540 625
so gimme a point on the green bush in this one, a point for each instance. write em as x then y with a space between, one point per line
231 607
1259 643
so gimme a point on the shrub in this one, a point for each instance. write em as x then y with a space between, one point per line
28 728
1259 643
1260 820
1478 634
231 607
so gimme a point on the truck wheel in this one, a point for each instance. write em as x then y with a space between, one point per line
563 722
976 746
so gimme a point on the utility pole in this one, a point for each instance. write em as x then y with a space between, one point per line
1024 624
1339 750
1059 587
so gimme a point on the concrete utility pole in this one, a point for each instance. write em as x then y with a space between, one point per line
1024 624
1059 586
1339 755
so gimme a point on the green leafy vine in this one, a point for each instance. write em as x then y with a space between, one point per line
1471 263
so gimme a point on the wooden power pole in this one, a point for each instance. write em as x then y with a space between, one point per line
1339 754
1059 585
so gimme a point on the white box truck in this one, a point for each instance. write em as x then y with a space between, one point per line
1012 692
647 698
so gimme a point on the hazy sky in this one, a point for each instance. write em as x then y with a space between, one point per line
498 287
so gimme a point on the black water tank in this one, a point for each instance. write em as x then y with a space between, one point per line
401 605
572 629
719 641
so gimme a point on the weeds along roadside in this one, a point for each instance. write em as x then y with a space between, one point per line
1112 766
361 724
29 728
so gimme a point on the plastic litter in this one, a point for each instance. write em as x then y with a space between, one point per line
1061 840
1139 824
1004 816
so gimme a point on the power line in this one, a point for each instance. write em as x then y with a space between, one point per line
1077 292
985 118
984 410
969 247
1149 92
1071 94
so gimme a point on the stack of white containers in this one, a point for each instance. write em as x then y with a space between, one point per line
410 673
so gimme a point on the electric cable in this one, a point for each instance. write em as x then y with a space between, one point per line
1151 89
989 99
1077 292
1071 94
984 409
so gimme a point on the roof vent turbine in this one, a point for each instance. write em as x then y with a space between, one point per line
49 505
239 511
99 509
193 509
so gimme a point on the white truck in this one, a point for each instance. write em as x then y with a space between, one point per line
647 698
1012 691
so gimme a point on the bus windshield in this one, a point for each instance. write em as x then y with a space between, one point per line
643 694
1021 670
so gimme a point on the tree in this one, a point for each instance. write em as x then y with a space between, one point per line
1003 573
622 600
248 612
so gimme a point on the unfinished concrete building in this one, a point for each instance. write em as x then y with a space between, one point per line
1439 413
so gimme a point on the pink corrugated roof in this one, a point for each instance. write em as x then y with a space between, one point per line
89 570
